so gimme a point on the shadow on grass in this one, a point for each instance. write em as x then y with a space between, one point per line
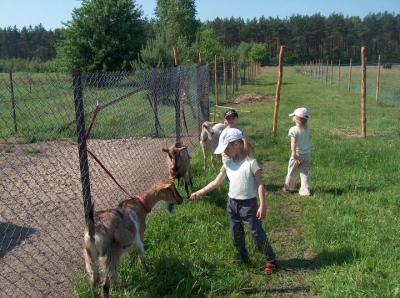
174 277
287 290
273 187
331 191
171 277
326 258
262 83
345 190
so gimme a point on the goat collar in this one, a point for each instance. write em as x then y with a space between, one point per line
144 203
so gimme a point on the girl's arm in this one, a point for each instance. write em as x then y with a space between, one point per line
293 147
209 187
262 209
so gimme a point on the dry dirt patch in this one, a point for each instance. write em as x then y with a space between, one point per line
252 98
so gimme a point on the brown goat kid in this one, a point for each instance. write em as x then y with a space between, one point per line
178 162
111 233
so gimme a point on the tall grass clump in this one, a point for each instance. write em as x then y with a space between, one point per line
340 242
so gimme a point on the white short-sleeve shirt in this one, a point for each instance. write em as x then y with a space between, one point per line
242 185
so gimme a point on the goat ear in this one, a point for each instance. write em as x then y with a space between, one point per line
165 150
167 185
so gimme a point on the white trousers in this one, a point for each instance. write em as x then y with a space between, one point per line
303 166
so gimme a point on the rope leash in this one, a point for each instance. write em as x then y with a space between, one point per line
84 141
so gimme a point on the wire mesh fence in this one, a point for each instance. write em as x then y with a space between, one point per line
41 208
381 81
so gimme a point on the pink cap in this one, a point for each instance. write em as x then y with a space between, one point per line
300 112
232 134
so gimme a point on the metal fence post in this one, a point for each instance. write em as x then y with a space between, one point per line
13 102
80 129
155 98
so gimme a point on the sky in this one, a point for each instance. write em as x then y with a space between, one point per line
52 13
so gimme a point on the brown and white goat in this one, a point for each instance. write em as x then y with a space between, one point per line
209 138
178 162
111 233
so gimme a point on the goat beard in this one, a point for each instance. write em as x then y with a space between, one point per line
169 207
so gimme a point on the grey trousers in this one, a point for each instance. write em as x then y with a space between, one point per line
243 212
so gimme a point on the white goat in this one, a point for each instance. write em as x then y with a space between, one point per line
209 138
178 162
110 233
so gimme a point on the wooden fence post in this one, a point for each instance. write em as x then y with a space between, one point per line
331 71
235 74
319 69
326 74
278 91
225 79
351 66
363 92
178 99
216 80
240 73
339 74
232 76
378 75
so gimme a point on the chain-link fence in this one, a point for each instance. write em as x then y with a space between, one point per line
41 208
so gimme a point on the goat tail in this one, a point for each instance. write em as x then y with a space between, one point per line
90 221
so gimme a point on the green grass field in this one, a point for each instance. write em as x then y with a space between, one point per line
341 242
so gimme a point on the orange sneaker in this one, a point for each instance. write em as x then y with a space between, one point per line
270 267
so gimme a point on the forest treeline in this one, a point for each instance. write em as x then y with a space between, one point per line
314 37
305 38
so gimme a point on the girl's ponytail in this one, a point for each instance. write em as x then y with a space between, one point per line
248 149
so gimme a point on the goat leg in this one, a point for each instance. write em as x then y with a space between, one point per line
93 269
106 287
186 188
140 250
190 179
143 263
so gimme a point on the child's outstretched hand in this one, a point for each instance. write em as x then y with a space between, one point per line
194 196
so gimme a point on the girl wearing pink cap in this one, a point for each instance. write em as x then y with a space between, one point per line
301 153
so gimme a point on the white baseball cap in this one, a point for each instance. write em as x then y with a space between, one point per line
300 112
232 134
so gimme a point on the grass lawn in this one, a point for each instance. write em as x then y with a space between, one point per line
343 241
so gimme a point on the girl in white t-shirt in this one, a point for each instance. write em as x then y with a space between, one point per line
301 153
244 174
